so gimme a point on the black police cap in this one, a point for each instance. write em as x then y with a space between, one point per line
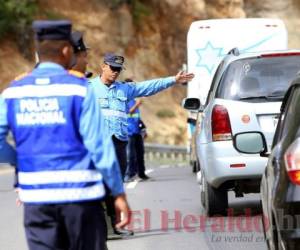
114 60
52 30
77 40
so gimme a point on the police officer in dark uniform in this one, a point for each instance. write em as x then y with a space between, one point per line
79 61
64 158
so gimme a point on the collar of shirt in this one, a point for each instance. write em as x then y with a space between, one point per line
113 85
48 65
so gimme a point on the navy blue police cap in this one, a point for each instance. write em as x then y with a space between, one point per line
77 40
114 60
52 30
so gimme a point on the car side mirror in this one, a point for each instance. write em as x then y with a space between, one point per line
192 104
253 142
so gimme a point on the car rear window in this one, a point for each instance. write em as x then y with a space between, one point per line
260 79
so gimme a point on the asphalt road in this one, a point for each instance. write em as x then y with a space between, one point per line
170 204
167 216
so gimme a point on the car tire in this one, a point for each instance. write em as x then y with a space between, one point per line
215 199
196 166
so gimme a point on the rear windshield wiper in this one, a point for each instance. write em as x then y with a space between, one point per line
275 96
254 97
268 97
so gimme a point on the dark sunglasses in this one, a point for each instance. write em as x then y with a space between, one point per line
115 69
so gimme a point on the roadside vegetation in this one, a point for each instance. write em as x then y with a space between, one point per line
15 19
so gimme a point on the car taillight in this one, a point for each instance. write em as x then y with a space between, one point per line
220 124
292 162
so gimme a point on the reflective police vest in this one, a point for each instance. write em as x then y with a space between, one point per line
43 112
133 119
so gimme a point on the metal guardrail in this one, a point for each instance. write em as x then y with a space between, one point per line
162 151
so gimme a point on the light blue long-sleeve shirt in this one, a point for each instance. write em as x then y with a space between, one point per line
113 100
93 132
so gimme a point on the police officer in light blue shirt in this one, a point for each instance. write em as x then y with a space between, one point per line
64 156
113 96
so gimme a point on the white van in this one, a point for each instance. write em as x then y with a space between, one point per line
208 41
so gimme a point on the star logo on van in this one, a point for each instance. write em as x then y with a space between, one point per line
209 57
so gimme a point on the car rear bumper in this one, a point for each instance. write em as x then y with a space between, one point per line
223 163
288 220
290 234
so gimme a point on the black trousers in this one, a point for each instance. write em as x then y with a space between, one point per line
76 226
120 148
136 162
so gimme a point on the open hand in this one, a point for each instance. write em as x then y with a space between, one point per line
183 77
122 211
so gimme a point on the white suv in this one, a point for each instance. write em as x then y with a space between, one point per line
245 95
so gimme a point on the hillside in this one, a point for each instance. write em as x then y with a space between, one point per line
151 35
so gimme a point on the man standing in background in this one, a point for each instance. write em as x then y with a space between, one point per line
135 147
79 60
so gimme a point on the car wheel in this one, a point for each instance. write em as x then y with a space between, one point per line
195 167
215 200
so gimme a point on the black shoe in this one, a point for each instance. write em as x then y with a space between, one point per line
123 232
144 177
113 236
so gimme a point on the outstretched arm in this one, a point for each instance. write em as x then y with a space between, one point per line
151 87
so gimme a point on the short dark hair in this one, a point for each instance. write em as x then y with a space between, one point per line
51 48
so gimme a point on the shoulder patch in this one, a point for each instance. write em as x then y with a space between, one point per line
21 76
76 73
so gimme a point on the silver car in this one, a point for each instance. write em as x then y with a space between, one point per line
245 95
